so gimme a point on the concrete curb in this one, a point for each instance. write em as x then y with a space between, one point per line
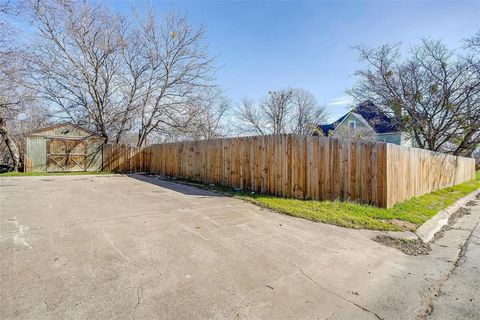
427 231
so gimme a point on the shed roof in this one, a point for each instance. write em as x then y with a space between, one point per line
51 130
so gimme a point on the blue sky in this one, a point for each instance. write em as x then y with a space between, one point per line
268 45
262 46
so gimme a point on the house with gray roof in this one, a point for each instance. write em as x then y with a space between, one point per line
367 121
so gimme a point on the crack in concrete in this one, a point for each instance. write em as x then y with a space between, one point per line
44 294
427 302
338 295
463 249
139 300
46 310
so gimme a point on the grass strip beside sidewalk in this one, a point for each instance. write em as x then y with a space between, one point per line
408 215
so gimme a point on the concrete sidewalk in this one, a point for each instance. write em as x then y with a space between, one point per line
458 296
95 247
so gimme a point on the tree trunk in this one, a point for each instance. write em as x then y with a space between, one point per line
142 137
11 146
104 135
462 148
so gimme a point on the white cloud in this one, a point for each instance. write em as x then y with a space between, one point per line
338 107
341 101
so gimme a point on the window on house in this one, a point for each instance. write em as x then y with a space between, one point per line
351 125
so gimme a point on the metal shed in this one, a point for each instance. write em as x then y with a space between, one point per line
63 148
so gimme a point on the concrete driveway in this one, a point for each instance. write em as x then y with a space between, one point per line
117 247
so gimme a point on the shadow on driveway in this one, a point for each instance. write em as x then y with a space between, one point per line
177 187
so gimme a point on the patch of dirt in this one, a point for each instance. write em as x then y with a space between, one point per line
458 214
455 192
405 225
477 196
453 218
435 204
409 247
470 203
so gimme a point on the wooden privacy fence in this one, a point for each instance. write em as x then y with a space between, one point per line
412 172
303 167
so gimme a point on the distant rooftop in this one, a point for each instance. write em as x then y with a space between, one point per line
374 116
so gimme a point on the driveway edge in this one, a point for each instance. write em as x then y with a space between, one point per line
427 231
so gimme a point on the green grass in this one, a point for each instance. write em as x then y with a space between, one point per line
360 216
32 174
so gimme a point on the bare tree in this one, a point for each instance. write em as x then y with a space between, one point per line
276 108
10 144
205 120
249 119
14 94
77 64
469 137
473 44
283 111
433 93
99 69
307 112
211 109
6 7
167 58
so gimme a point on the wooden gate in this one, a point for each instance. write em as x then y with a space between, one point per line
66 155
